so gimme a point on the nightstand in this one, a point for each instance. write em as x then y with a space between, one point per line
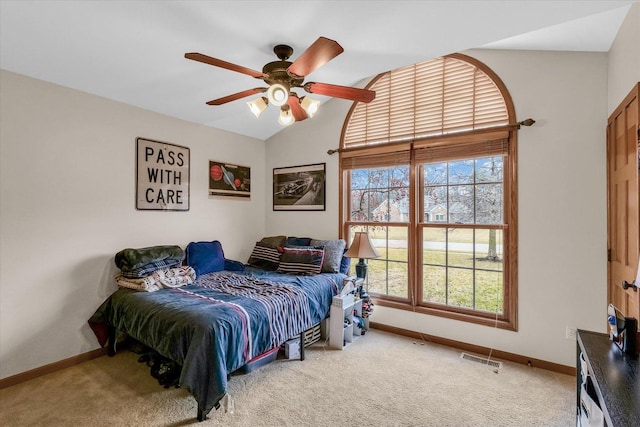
345 321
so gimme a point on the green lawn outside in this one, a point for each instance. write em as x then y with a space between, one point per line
393 266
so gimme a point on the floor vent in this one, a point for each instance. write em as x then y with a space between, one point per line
482 360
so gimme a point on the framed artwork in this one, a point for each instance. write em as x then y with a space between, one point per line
229 181
299 188
162 176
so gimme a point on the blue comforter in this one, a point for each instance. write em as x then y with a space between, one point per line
223 320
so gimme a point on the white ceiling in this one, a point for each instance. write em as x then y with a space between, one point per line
133 51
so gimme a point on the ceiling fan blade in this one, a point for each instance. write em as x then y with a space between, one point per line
319 53
235 96
223 64
344 92
296 109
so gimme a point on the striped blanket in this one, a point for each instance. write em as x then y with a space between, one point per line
287 306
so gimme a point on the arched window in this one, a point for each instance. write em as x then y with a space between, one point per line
428 168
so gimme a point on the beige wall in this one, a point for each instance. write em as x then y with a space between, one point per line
562 251
624 59
67 206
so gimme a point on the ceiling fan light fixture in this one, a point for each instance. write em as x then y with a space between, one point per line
286 118
258 105
310 105
282 76
278 94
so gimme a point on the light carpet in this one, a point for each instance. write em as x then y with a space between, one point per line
381 379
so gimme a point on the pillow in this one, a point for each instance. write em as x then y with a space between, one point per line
298 241
233 265
345 263
205 257
274 240
301 261
265 256
333 250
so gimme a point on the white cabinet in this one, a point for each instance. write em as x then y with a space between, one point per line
343 329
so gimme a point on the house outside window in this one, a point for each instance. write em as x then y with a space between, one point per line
429 170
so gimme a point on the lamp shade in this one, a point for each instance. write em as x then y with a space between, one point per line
309 105
286 118
257 106
361 247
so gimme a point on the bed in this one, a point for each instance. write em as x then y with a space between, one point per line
216 325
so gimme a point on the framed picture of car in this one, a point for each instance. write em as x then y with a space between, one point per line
299 188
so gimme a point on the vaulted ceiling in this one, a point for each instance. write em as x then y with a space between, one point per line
133 51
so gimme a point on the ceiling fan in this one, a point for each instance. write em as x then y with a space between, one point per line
283 75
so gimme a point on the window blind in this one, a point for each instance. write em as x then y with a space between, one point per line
462 151
401 155
437 97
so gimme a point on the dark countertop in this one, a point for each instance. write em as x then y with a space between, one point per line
616 376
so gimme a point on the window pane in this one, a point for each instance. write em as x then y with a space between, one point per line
380 206
387 278
376 197
489 169
489 291
434 246
461 204
399 176
379 178
435 204
359 205
489 204
359 178
434 281
435 173
399 200
489 249
392 241
460 247
461 172
460 287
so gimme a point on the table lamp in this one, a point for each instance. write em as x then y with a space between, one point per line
362 248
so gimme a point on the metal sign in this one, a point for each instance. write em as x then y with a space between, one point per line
162 176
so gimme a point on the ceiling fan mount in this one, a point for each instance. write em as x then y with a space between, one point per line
283 51
277 71
291 75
